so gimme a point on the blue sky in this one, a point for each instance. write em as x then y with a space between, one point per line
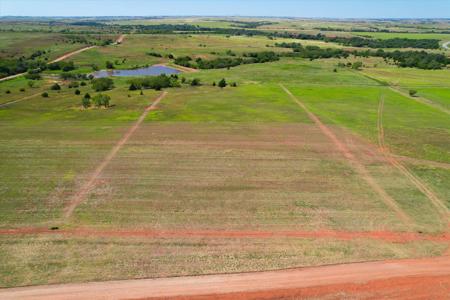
294 8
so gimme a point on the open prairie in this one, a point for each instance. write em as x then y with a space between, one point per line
296 162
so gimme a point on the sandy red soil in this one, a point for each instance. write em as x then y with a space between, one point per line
396 279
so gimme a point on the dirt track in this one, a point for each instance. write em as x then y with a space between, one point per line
434 199
357 166
80 196
367 278
390 236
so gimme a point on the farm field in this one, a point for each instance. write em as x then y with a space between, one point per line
301 162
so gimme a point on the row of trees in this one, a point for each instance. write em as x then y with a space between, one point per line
155 82
411 59
227 62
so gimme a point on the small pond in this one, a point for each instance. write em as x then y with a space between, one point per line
148 71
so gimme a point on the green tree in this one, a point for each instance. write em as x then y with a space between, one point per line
44 95
195 82
86 102
101 100
102 84
412 93
55 87
223 83
109 65
77 92
357 65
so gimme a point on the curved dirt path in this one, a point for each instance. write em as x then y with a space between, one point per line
81 194
389 236
244 285
357 165
438 203
65 56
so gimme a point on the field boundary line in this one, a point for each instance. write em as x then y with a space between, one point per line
354 162
82 193
438 203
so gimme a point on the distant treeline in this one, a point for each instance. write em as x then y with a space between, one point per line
410 59
365 42
227 62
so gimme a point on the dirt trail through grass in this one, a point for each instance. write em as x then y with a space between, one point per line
357 165
438 203
268 283
388 236
80 196
19 100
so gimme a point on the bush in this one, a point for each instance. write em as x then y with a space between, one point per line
234 84
22 89
102 84
55 87
8 92
223 83
412 93
33 76
101 100
195 82
87 96
44 95
86 102
77 92
109 65
357 65
83 83
30 84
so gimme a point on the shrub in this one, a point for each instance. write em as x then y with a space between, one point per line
195 82
8 92
30 84
109 65
55 87
223 83
102 84
83 83
44 95
234 84
33 76
86 102
22 89
77 92
87 96
357 65
412 93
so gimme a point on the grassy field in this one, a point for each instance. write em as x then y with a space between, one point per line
239 158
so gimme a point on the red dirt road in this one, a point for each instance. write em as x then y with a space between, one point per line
389 236
80 196
371 280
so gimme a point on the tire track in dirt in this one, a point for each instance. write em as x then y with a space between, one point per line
354 162
438 203
80 196
244 285
388 236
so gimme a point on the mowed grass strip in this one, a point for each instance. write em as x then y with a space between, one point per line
57 259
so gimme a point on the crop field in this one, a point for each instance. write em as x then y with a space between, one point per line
304 162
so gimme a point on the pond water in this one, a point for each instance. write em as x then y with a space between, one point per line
148 71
